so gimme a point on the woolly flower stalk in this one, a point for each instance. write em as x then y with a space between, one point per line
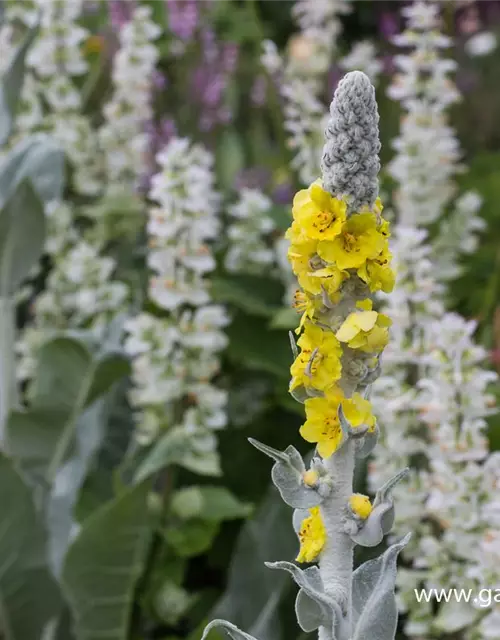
124 134
339 252
434 391
176 351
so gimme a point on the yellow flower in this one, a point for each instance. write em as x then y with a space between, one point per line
358 411
377 273
310 478
319 214
328 278
325 368
360 505
365 330
359 240
312 536
322 425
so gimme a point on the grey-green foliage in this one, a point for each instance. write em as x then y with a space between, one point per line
380 521
104 563
55 438
375 613
253 594
233 631
287 475
313 606
11 85
29 596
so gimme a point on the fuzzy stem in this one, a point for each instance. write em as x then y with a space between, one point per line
336 561
8 390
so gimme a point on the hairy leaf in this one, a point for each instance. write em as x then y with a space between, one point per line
374 605
104 563
287 475
232 630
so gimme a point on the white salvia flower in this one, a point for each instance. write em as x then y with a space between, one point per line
309 57
250 249
481 44
123 134
175 357
433 397
363 57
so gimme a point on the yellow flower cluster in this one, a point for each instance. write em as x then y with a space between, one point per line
328 248
312 536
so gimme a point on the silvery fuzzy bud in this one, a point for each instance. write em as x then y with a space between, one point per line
350 162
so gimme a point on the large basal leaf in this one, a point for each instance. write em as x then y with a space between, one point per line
104 563
254 593
56 439
29 597
68 380
11 85
38 159
20 250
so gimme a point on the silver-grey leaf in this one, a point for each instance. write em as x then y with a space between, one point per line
287 475
372 531
232 630
368 443
384 493
374 604
309 613
329 610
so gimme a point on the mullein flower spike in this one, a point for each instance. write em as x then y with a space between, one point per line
340 255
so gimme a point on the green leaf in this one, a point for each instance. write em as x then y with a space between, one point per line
191 537
229 158
11 85
29 597
282 216
19 250
208 503
253 594
252 343
105 562
39 159
176 447
252 294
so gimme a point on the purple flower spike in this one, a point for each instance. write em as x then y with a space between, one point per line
183 18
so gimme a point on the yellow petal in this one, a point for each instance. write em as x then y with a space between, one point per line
346 332
366 320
